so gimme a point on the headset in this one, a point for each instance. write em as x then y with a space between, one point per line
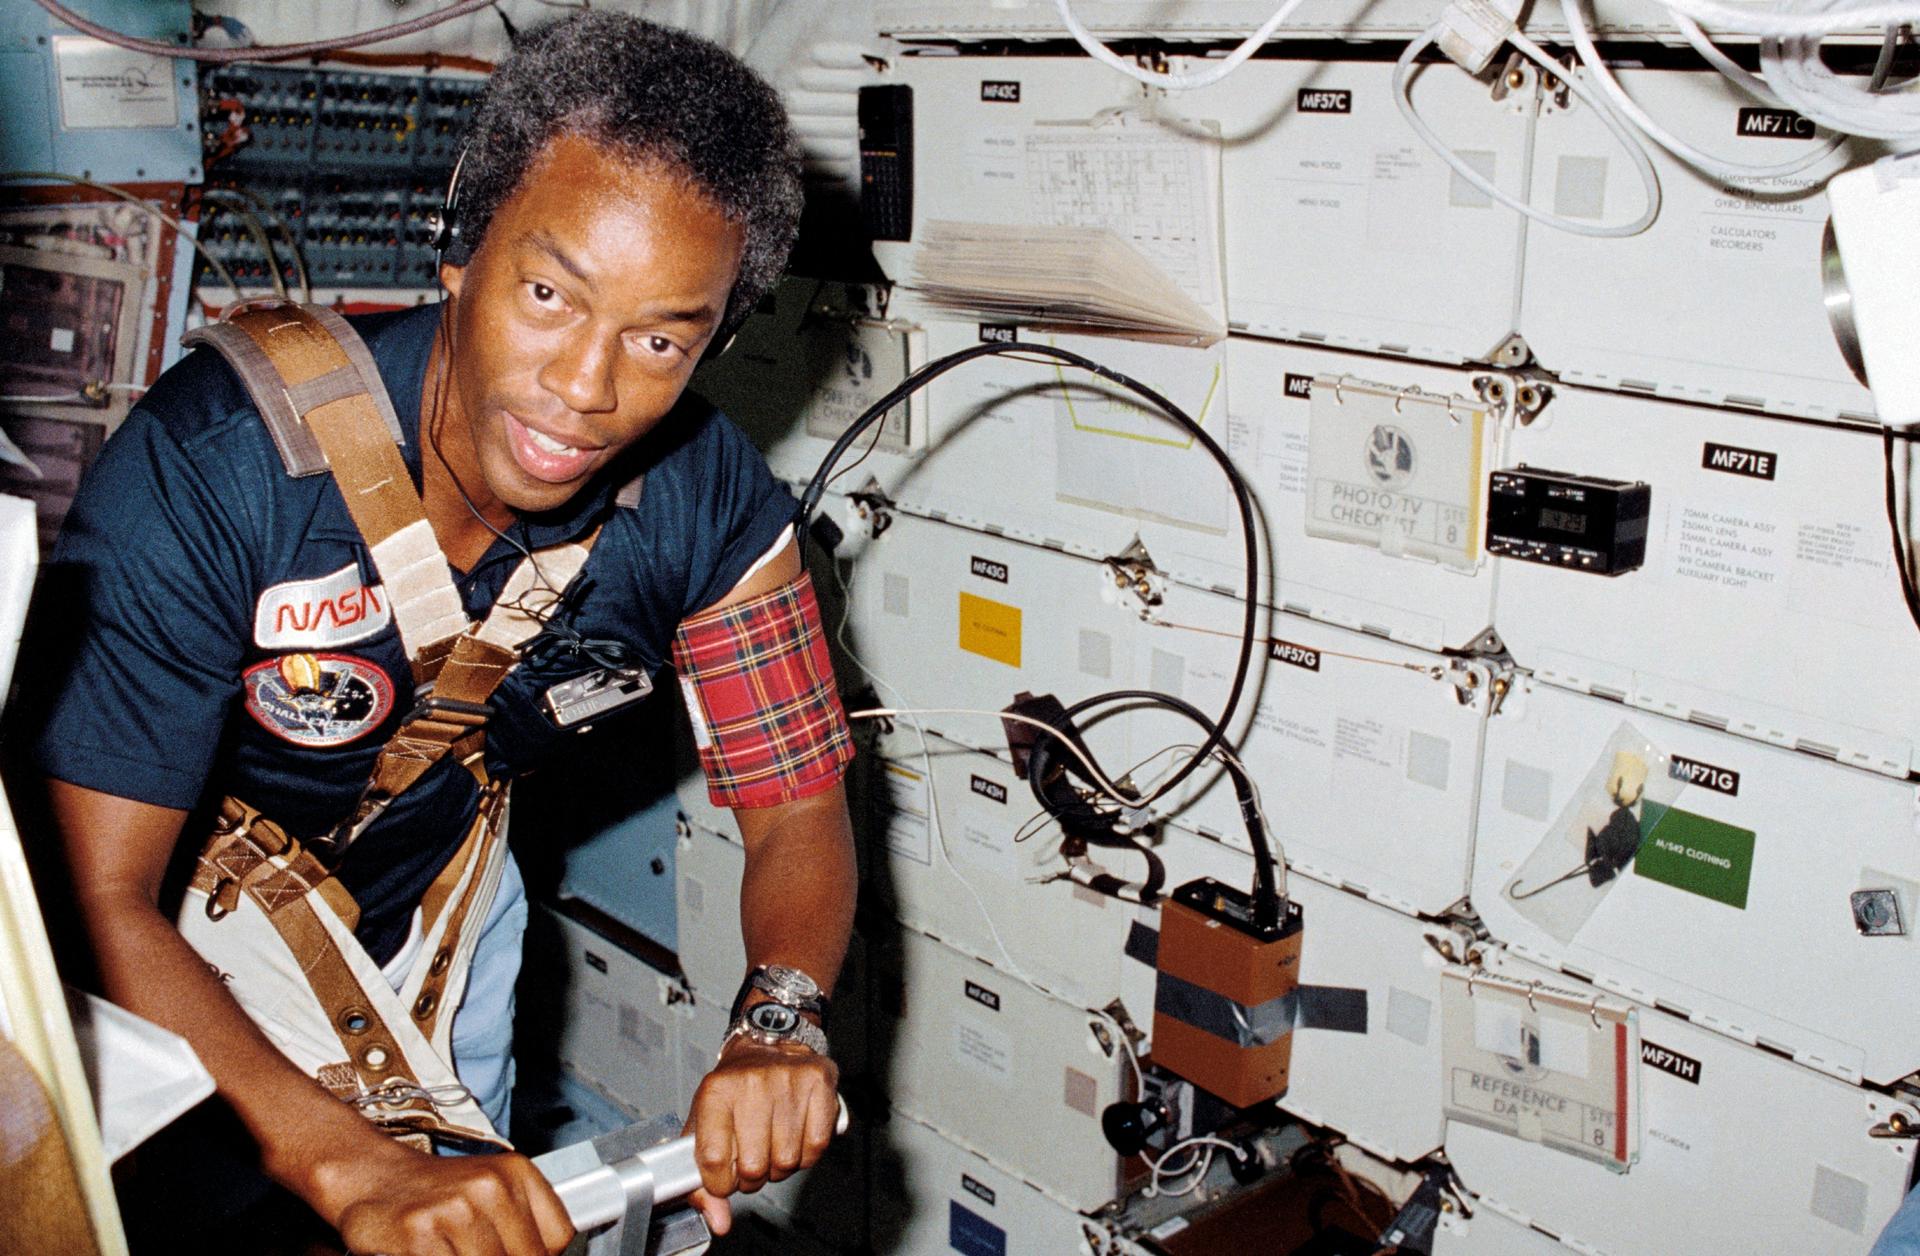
443 228
443 224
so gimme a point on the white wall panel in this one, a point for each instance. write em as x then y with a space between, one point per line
1017 1075
948 618
1487 1233
969 155
1345 229
1789 968
619 1031
1720 299
708 869
1753 1154
933 1197
1382 1089
1771 605
1366 752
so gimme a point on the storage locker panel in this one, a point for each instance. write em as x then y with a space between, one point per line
1381 1088
1719 300
1769 580
1366 753
972 1045
1739 1149
933 1196
1739 908
620 1024
1344 229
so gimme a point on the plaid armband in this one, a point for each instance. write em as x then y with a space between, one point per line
766 717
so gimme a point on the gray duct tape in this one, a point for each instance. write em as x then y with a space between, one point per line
1337 1008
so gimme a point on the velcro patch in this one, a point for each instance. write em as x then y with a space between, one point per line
318 699
314 614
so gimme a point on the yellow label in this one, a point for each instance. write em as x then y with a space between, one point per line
990 629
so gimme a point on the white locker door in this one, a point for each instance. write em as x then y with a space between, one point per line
933 1197
1740 1151
948 618
1046 453
1770 601
1743 918
620 1032
1366 753
1720 299
1381 1088
1015 1074
1343 228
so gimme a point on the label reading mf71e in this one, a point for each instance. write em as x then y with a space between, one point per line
1755 463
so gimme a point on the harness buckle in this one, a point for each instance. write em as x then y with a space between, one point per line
449 710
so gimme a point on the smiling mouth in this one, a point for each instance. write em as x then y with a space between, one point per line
543 457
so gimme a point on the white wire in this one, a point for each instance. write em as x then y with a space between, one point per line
1100 780
1730 171
1791 20
261 52
1642 164
1796 74
1174 82
1201 1161
1745 79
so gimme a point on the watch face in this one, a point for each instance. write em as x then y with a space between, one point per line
773 1018
794 985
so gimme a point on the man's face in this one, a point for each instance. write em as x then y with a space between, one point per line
579 319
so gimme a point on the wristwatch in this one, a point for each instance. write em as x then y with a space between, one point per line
770 1024
784 985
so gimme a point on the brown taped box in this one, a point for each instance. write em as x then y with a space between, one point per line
1218 957
1238 965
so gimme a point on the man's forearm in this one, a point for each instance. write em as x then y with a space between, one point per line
304 1133
797 895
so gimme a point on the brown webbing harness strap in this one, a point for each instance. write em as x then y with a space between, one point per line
323 386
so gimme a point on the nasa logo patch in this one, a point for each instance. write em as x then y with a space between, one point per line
318 699
332 610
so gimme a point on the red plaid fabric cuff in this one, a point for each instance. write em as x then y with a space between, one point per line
766 717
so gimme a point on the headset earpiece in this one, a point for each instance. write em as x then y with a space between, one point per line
443 224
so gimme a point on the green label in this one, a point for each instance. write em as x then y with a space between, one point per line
1695 854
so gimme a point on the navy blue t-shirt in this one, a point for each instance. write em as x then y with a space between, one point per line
229 635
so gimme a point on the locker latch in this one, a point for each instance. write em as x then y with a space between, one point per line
1134 573
1897 1125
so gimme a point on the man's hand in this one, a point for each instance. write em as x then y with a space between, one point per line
761 1115
409 1204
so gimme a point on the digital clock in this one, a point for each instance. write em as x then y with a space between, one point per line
1565 520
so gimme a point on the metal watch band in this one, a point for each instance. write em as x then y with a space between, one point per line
805 1033
763 979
